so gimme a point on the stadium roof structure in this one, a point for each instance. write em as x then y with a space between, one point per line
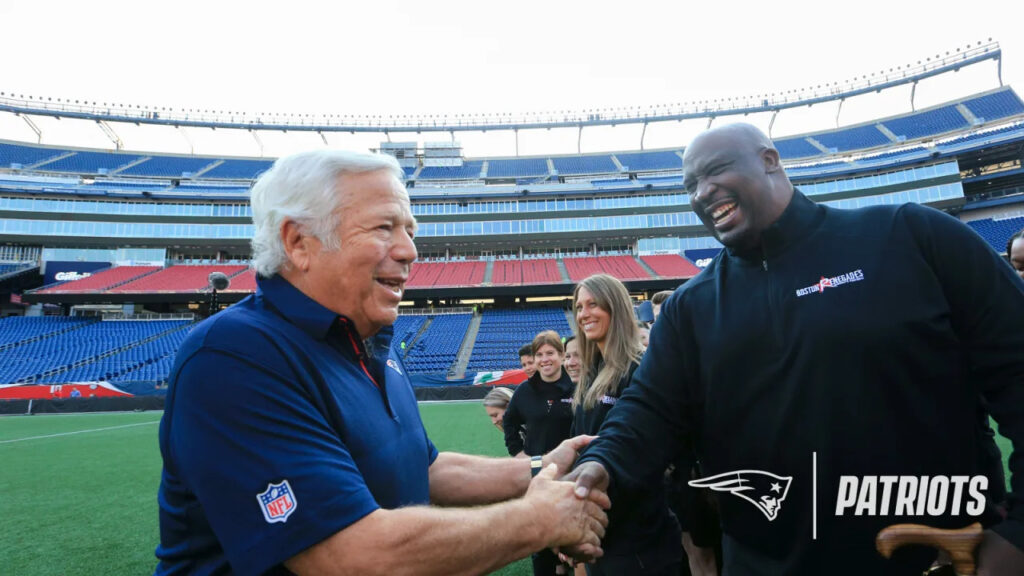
951 61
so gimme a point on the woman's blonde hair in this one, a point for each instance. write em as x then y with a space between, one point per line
621 343
498 397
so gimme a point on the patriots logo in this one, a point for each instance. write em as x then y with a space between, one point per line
764 490
393 365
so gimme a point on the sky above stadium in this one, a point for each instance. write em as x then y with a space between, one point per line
440 57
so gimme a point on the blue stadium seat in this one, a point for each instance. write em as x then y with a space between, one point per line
502 332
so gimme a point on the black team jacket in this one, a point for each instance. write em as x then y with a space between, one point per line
851 343
639 522
544 409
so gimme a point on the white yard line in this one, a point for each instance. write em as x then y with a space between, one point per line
78 432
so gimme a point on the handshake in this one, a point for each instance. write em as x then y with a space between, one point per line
571 508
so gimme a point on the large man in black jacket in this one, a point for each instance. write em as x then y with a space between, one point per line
827 367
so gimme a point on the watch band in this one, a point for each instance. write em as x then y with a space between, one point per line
536 465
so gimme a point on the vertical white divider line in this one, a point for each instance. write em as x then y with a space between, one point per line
814 496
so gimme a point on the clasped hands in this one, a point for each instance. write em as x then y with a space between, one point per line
574 505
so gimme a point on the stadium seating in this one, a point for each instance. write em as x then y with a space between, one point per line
121 365
584 165
169 166
468 171
102 280
23 328
44 357
244 282
502 332
995 106
25 156
930 123
238 169
424 274
182 278
653 161
462 274
507 273
856 138
621 267
671 266
790 148
11 267
90 162
997 232
406 327
435 351
515 168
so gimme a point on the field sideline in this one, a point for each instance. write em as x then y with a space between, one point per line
78 491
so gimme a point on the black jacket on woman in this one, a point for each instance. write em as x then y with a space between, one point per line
643 535
544 409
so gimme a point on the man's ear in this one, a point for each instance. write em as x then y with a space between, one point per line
772 162
298 247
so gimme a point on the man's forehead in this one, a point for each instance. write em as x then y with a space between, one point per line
702 153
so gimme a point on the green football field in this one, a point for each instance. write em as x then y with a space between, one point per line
78 491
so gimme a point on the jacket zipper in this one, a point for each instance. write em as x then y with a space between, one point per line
776 324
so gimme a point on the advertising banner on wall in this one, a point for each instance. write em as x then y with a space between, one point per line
63 271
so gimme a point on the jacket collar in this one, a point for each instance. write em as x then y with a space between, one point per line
797 221
563 382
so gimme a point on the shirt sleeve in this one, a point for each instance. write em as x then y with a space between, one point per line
986 300
240 430
512 423
654 417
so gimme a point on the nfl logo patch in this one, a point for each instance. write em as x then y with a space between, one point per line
277 502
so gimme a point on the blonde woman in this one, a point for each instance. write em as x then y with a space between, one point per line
643 536
495 404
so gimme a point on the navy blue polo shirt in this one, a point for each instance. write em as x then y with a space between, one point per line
280 429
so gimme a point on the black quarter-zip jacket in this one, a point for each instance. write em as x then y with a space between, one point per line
853 342
544 409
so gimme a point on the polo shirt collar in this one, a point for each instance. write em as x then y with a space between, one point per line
308 314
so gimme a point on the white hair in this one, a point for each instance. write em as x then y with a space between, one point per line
304 188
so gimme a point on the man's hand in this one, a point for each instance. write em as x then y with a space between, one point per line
702 560
565 454
590 479
570 521
998 557
589 476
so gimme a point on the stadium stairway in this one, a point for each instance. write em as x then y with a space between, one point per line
646 268
416 337
824 149
49 160
458 370
128 165
966 113
207 168
562 270
488 273
570 317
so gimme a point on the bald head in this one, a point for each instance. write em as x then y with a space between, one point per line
745 136
736 183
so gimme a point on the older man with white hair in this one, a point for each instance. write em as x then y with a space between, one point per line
291 438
